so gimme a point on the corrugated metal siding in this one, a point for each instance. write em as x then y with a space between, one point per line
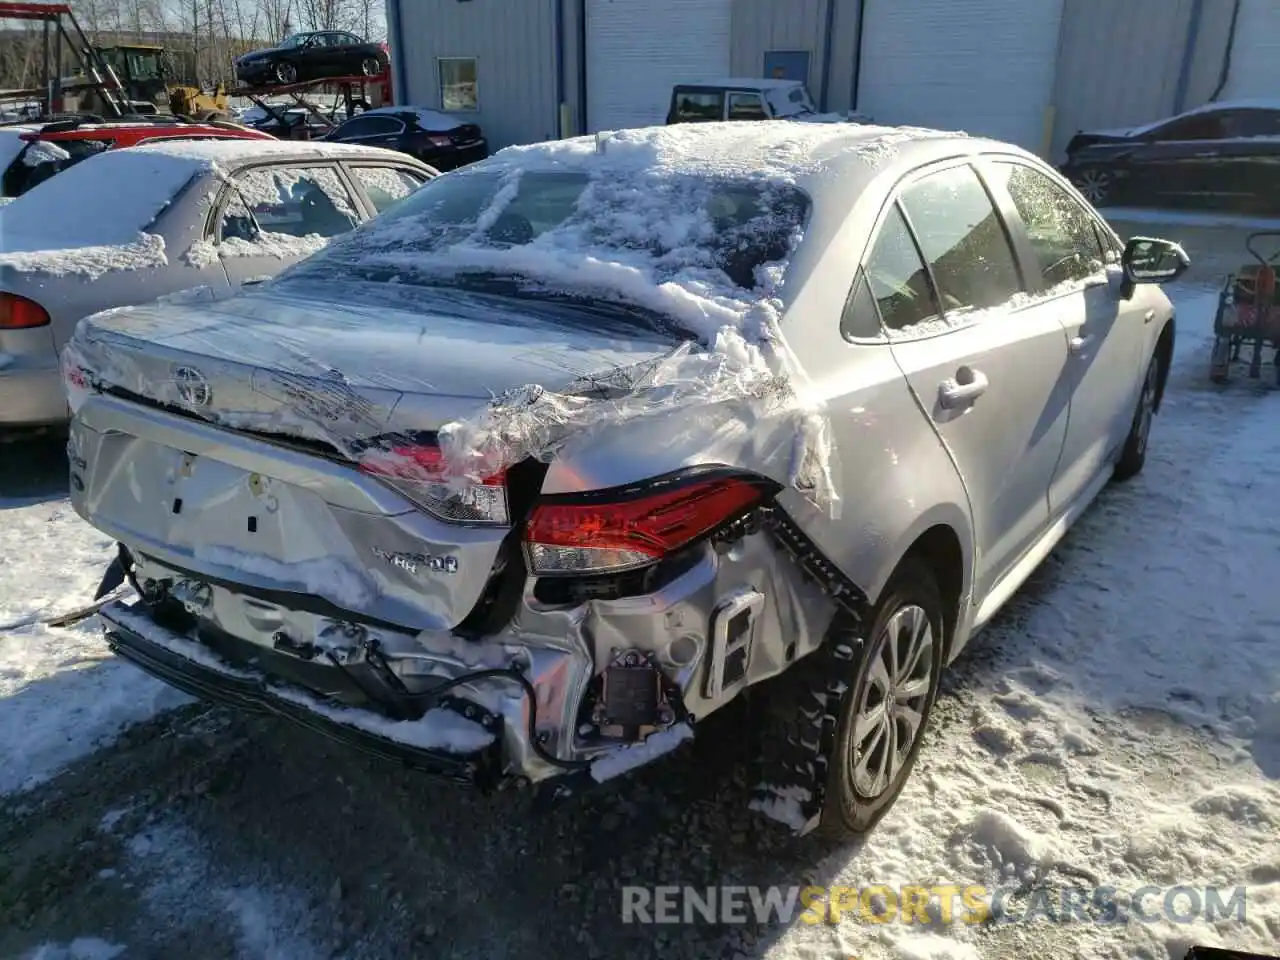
513 42
1119 63
983 66
1255 61
635 57
763 25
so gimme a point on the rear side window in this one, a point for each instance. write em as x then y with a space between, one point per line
694 106
386 185
963 240
297 201
896 278
1254 123
1062 232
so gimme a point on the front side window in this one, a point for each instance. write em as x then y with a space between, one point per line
459 88
1061 231
896 278
699 106
386 186
1254 123
746 106
295 201
1200 126
962 239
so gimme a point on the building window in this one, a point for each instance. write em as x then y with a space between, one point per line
458 89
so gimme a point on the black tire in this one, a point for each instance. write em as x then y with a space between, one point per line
285 73
1134 454
370 66
798 748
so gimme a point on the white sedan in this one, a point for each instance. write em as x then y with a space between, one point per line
129 226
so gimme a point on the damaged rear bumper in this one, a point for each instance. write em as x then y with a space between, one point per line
160 652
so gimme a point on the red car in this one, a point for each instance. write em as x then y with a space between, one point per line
31 154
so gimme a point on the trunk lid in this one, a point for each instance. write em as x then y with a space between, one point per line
362 362
253 512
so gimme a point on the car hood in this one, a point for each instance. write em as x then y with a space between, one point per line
350 368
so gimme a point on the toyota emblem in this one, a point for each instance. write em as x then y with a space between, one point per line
193 388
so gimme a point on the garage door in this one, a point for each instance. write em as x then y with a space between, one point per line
637 50
1255 58
983 66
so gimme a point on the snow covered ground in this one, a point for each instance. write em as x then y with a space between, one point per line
1118 725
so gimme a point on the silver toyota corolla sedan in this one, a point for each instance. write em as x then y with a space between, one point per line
531 475
131 225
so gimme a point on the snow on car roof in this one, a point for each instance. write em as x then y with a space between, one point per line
753 83
427 119
236 150
114 195
13 144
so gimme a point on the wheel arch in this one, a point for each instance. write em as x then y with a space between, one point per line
942 539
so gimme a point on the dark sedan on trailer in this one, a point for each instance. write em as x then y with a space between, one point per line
433 137
1222 156
320 55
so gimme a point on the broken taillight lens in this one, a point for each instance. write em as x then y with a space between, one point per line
19 313
610 531
417 472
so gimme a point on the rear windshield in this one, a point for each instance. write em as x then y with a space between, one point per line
568 231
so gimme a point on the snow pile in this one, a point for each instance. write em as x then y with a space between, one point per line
145 252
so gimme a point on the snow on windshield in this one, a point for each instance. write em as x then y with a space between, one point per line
789 102
115 196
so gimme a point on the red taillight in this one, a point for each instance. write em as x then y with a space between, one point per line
19 313
611 531
418 472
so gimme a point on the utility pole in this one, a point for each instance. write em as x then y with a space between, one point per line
195 40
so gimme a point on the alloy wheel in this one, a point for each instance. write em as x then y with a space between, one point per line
1094 184
370 67
286 72
892 702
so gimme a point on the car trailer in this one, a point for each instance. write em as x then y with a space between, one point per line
61 28
352 96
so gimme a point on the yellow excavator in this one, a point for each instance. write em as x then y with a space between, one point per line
143 72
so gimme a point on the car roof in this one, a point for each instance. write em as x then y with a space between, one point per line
818 158
230 153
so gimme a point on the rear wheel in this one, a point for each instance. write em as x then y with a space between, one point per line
286 73
848 719
1095 184
884 713
370 66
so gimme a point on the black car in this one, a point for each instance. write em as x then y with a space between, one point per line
434 138
322 55
1222 156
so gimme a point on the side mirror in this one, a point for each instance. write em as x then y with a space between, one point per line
1150 260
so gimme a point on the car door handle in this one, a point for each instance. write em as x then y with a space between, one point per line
967 385
1078 344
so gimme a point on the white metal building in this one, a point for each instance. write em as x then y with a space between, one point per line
1029 71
